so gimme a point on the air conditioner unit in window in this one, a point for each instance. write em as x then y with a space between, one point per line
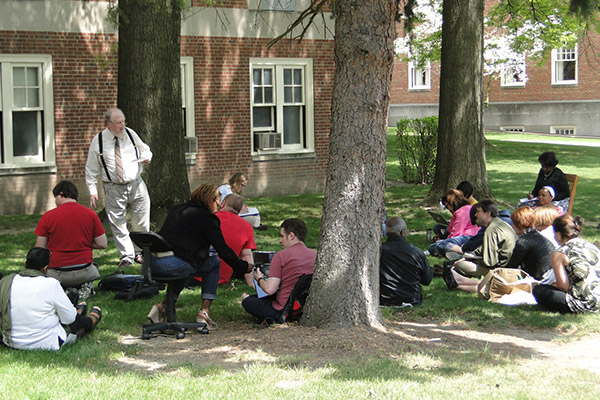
269 140
191 144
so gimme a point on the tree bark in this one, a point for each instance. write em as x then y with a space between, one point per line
149 85
345 288
461 143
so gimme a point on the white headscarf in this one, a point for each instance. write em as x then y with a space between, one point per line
550 190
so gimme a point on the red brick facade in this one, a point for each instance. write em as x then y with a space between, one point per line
85 84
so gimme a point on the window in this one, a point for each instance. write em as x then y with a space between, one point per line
562 130
187 100
564 66
27 111
272 5
282 105
419 78
512 128
513 77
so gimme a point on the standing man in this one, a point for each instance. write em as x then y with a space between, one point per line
117 155
71 231
403 268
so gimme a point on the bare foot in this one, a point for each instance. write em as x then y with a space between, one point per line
244 295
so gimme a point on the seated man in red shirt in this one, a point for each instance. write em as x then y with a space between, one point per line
238 234
70 232
286 268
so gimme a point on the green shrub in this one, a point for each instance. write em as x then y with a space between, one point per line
416 145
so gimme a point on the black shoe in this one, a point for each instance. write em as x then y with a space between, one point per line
261 227
73 295
449 278
438 271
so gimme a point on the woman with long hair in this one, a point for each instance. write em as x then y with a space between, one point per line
576 266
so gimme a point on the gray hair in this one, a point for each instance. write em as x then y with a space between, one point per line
395 226
108 114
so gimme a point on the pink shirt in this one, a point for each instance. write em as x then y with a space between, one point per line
460 224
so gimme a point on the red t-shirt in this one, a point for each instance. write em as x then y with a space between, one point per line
239 235
70 229
288 265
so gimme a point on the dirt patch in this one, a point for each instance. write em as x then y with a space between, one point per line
235 345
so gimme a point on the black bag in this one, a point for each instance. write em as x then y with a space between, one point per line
128 287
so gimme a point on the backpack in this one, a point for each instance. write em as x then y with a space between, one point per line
127 286
292 311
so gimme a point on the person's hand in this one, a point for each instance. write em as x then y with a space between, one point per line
146 161
529 196
257 274
93 199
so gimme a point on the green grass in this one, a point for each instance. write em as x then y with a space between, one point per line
89 368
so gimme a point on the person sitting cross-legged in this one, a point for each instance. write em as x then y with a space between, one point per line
286 268
71 232
34 309
403 268
498 243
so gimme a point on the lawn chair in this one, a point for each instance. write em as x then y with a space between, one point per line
572 179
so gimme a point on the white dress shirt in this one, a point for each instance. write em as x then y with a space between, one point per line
38 306
132 167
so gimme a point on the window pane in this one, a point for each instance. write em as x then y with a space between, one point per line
19 99
258 95
569 71
257 77
25 134
268 75
297 77
297 95
268 95
33 98
287 95
32 76
261 117
287 77
18 76
291 125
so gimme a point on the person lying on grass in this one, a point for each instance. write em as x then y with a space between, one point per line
34 309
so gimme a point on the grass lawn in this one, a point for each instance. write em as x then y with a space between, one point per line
432 351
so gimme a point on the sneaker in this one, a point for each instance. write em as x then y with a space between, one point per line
426 252
124 263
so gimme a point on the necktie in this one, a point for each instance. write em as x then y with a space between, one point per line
118 161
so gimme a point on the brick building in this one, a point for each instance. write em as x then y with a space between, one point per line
263 112
560 95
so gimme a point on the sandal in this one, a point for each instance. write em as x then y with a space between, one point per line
96 315
203 317
157 314
82 308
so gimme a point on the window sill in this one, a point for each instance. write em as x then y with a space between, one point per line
283 156
569 83
27 170
420 89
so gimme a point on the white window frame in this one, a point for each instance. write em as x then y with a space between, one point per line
515 128
276 5
569 130
413 72
187 101
46 153
559 58
507 78
307 141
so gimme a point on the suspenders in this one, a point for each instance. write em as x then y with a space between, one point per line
100 149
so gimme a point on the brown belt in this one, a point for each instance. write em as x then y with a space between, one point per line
161 254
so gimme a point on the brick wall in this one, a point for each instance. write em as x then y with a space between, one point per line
85 85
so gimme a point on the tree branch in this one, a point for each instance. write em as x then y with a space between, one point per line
310 13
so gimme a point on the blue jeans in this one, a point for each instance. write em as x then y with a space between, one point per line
172 266
440 247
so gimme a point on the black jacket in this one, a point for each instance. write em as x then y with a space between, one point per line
191 229
557 179
402 269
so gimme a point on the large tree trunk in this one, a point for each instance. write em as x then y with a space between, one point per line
150 94
345 288
461 143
